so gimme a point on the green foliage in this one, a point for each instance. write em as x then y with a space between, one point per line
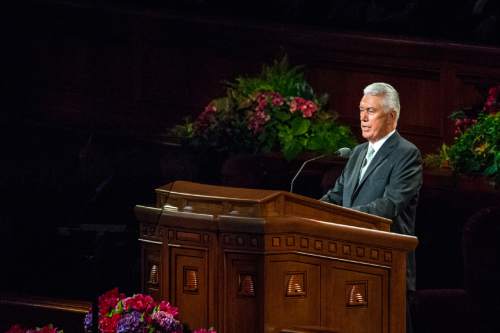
275 111
476 151
278 78
439 160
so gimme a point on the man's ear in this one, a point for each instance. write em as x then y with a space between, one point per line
393 115
393 118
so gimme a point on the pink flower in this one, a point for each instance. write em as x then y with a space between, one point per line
262 100
206 117
257 121
274 98
277 99
139 313
108 301
307 107
108 324
167 322
491 101
166 307
139 302
16 329
47 329
294 104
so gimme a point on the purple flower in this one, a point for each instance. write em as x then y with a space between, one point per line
166 322
87 322
130 323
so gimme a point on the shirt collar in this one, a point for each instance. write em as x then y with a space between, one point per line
377 144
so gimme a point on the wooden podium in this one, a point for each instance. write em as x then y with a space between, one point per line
245 260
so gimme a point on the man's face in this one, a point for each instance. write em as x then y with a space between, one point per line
375 123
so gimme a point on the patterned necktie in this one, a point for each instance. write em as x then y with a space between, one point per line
366 162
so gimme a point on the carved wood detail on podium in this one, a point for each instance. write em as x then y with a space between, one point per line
356 293
246 285
147 229
154 274
191 280
188 236
242 241
330 247
296 284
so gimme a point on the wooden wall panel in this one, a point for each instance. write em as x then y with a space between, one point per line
61 78
346 88
140 72
163 75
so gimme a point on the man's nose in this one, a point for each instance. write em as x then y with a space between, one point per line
363 116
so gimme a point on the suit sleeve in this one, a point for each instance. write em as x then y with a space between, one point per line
403 187
334 195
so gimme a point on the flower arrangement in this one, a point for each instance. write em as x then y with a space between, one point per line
475 149
466 117
136 314
45 329
275 111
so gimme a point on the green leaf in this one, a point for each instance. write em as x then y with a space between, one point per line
118 307
283 116
491 170
300 126
315 143
222 104
475 150
291 150
323 99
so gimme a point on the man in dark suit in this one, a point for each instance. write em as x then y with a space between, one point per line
383 175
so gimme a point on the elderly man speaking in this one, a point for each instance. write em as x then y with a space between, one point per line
383 175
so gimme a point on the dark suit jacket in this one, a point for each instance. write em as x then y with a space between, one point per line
389 188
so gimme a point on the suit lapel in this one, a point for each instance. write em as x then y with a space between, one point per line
353 181
379 157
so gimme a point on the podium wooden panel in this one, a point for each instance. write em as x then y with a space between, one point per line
246 260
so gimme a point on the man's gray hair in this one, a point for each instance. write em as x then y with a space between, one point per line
390 96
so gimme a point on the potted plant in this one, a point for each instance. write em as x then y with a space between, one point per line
475 152
276 110
136 314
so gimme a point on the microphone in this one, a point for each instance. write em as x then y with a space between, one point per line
343 152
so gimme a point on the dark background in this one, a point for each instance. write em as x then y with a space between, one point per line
91 87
